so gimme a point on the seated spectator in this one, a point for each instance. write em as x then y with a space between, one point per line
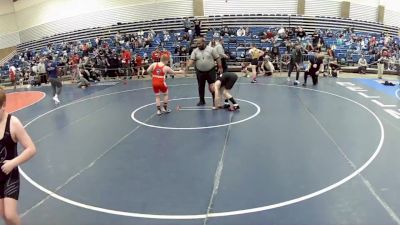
330 53
140 33
225 31
82 82
247 32
334 69
167 36
392 62
216 34
118 37
282 33
241 32
362 65
268 36
187 24
317 41
329 33
300 33
267 68
340 40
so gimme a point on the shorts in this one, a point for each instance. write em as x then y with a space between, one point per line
9 187
230 82
254 62
159 85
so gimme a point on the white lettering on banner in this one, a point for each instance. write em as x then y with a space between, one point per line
367 96
352 87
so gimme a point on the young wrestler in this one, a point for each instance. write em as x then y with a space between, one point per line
159 70
255 55
12 132
222 86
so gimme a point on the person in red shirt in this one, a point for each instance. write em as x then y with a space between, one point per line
159 70
126 62
74 61
155 55
139 65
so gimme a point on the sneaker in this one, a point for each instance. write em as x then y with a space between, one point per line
304 84
56 100
159 112
296 82
234 107
200 103
254 81
288 79
167 110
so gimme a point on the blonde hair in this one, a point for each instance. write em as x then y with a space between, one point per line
164 58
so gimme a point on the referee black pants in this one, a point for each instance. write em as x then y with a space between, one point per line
202 77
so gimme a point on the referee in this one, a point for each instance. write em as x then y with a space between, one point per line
219 47
204 58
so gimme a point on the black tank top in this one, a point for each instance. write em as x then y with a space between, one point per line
8 148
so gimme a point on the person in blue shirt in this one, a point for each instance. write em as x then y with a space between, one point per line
55 81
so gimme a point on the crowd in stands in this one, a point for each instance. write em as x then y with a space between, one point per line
341 46
120 55
128 54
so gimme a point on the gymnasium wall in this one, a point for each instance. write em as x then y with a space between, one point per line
41 18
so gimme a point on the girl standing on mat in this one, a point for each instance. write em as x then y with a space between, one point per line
12 132
223 86
159 70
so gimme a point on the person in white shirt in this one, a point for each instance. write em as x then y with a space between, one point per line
42 71
241 32
362 65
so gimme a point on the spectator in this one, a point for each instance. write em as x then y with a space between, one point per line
219 47
126 62
197 27
267 68
330 53
295 62
42 71
225 31
362 65
241 32
300 33
382 63
156 55
314 66
139 61
82 82
187 24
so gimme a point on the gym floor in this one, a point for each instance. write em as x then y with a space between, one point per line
322 154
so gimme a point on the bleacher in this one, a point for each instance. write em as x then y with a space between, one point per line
309 23
257 23
105 32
